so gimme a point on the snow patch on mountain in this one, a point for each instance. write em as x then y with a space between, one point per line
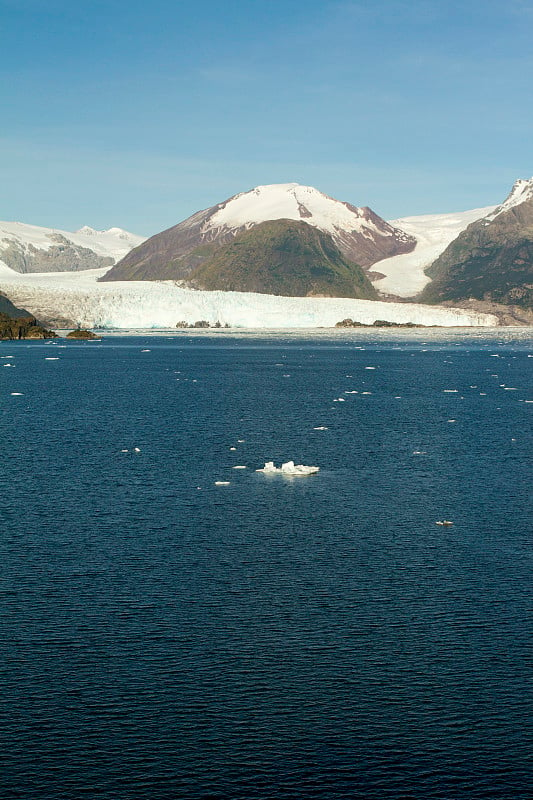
78 297
404 274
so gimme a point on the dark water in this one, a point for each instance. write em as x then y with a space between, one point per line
318 637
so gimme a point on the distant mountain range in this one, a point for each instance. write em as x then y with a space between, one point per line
30 248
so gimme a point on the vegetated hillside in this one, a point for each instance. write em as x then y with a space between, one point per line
360 234
283 257
491 260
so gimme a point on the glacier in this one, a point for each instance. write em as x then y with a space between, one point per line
80 299
403 275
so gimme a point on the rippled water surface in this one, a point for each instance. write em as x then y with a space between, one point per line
321 637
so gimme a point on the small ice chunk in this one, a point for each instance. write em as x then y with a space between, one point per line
288 468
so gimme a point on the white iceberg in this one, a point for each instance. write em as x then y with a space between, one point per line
288 468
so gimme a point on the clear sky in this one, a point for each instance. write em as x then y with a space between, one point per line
137 114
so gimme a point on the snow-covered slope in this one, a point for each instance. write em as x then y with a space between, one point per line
31 248
404 274
521 192
78 297
292 201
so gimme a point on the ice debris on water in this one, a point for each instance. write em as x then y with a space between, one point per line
288 468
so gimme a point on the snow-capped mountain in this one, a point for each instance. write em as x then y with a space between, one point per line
360 234
30 248
521 192
404 275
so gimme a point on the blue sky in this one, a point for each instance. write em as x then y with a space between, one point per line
138 114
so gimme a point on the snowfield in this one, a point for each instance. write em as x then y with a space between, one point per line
76 296
404 274
286 201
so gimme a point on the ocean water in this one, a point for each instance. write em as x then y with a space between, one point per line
166 637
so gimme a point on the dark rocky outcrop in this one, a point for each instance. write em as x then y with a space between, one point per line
378 323
81 333
23 328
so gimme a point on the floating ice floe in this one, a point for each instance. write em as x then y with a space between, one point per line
288 468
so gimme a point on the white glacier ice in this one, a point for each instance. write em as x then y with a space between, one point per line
77 296
404 274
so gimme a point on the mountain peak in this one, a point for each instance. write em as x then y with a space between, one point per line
521 192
